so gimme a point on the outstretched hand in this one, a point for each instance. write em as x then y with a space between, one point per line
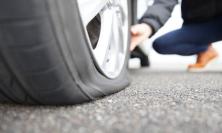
139 33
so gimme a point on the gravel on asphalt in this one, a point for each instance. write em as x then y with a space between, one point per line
156 101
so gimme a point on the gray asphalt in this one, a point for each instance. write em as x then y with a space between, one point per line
164 102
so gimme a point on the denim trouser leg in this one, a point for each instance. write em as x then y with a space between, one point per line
190 38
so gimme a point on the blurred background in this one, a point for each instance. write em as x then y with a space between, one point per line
168 62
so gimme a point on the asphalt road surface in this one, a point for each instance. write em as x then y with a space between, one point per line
156 101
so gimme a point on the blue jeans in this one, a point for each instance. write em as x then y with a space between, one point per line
190 38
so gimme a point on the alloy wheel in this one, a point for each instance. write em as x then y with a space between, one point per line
106 28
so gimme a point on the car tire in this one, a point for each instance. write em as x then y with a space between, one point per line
46 55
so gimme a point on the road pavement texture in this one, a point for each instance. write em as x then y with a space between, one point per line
155 102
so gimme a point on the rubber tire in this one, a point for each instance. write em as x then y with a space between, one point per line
45 58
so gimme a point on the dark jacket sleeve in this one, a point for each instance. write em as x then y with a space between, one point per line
157 14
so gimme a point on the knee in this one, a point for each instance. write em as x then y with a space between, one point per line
159 45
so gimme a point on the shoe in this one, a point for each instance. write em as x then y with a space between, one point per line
203 59
144 59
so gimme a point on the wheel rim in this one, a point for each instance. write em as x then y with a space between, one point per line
106 28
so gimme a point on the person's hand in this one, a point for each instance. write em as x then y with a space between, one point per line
139 33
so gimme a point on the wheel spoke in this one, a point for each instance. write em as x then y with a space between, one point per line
90 8
105 42
112 60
